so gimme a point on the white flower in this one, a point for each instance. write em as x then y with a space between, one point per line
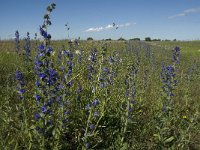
53 53
77 52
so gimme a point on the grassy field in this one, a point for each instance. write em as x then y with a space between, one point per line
102 95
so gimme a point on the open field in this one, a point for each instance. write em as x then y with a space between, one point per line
100 95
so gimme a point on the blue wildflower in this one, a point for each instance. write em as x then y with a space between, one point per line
65 52
49 122
69 84
59 55
50 112
69 72
133 101
65 120
44 109
105 69
87 144
41 47
39 63
79 90
62 68
43 33
50 102
37 97
87 106
67 93
71 55
19 75
67 112
95 102
38 129
92 126
59 98
37 116
42 76
22 91
96 114
49 50
37 83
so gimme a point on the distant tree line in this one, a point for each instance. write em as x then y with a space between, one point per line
89 39
135 39
148 39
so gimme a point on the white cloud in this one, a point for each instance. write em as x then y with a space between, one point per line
125 25
94 29
185 12
177 15
192 10
108 27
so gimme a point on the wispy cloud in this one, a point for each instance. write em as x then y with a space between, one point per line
108 27
94 29
185 13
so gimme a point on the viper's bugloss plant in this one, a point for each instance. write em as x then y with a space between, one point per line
168 78
27 52
80 56
36 42
152 59
69 55
91 103
48 102
20 84
148 52
22 107
27 44
176 55
130 86
167 118
78 51
100 81
189 73
17 42
92 61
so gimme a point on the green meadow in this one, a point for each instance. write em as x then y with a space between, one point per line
120 107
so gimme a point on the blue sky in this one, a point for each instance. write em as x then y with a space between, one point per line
165 19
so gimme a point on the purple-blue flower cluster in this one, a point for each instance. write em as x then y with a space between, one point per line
176 55
27 50
130 84
169 82
93 116
69 64
91 66
105 78
47 85
20 84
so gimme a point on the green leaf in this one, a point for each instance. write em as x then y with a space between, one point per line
32 127
169 139
157 136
